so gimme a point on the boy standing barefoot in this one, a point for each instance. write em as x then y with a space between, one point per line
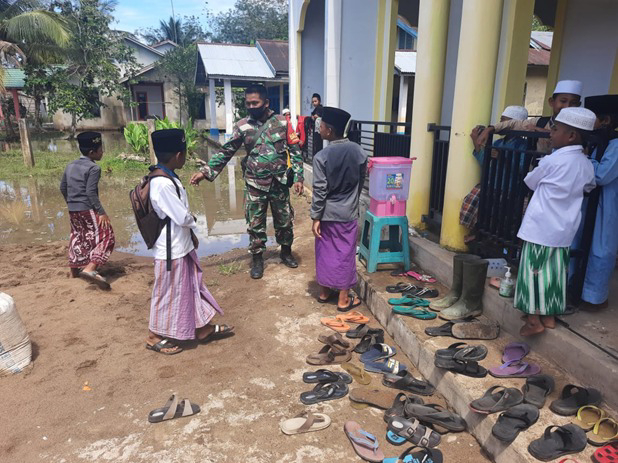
92 238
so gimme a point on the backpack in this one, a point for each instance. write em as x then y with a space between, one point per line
149 223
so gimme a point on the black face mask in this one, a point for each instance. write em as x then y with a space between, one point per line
257 113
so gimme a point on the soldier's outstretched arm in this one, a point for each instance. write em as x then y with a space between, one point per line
219 160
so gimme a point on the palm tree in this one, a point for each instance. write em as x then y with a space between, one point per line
178 31
27 31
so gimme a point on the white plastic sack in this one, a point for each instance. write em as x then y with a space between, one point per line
15 348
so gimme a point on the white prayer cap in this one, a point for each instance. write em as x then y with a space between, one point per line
580 118
519 113
285 111
569 86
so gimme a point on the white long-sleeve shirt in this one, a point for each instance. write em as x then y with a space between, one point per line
559 183
166 203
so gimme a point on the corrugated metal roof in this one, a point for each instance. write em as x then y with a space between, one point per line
238 61
14 78
405 62
538 57
277 53
544 38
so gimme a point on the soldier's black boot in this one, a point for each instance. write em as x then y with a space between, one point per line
287 258
257 267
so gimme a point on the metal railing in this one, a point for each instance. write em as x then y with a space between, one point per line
313 143
441 139
382 138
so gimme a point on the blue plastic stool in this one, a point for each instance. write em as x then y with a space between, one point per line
396 249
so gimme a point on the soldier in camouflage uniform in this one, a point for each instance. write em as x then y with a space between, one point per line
265 172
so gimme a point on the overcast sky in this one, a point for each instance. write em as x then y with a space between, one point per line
138 14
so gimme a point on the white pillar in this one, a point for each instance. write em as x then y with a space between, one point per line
231 183
403 102
229 108
281 94
214 130
293 72
332 59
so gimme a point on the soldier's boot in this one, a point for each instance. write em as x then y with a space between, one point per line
257 267
470 303
287 258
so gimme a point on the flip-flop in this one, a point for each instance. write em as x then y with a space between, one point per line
325 376
351 303
462 351
305 421
398 408
367 341
573 398
514 420
421 314
401 287
558 441
364 444
378 352
359 375
603 432
497 399
515 351
172 409
415 275
606 454
435 414
384 366
329 355
588 416
405 381
417 454
220 332
335 324
374 397
362 330
335 340
323 392
476 329
96 278
442 330
330 297
401 430
165 344
353 317
409 301
537 388
462 367
515 369
421 292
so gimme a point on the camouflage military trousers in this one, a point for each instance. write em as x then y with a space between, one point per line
256 207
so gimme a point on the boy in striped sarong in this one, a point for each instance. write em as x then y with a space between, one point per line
92 238
551 221
181 307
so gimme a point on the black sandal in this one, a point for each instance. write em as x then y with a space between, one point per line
351 305
406 382
367 341
463 367
331 294
362 330
220 332
164 344
442 330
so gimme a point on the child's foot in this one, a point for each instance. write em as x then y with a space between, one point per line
155 343
325 295
346 302
212 332
549 321
531 328
75 272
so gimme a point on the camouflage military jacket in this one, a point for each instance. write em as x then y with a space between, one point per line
268 159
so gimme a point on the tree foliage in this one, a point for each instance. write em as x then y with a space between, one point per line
183 32
180 64
537 25
250 20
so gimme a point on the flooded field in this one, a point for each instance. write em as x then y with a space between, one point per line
33 210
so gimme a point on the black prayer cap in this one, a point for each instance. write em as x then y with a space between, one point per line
602 104
169 141
335 117
89 140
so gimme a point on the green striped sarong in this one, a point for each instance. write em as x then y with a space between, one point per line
542 280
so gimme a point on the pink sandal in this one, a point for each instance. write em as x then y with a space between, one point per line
415 275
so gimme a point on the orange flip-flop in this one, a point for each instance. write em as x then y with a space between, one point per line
335 324
353 317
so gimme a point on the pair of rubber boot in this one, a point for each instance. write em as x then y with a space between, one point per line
257 263
464 300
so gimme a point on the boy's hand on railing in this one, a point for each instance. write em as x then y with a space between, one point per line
196 178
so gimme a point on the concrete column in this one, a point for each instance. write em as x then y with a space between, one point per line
613 81
428 86
229 108
332 44
151 128
294 49
26 146
386 38
403 102
281 95
512 55
231 183
474 88
556 54
212 95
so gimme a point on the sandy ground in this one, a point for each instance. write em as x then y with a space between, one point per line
245 385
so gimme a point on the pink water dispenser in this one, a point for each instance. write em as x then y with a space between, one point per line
389 184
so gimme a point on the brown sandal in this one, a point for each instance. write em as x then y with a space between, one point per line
329 355
335 340
379 398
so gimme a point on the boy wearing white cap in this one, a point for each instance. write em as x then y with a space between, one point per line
552 219
567 94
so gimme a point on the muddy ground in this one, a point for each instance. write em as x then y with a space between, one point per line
245 385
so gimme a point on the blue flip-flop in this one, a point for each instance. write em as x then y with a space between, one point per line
385 366
408 300
421 314
421 455
378 352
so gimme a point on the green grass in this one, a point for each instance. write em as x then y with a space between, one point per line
230 269
53 164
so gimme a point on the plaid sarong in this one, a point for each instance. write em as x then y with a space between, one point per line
542 280
89 242
180 303
469 212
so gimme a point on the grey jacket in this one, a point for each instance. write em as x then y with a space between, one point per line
80 186
338 175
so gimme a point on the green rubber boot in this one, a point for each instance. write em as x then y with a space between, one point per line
470 304
455 293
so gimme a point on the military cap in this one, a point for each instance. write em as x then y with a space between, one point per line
602 104
169 141
89 140
335 117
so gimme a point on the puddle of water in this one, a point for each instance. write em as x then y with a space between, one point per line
33 210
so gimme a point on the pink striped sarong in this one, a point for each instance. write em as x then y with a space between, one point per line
89 242
181 303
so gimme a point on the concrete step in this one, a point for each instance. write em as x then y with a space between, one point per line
460 390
